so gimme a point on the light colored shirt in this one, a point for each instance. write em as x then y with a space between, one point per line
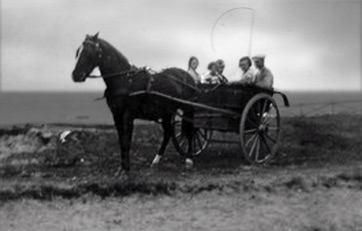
212 79
248 76
195 75
264 78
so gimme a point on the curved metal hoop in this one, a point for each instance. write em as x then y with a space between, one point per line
228 11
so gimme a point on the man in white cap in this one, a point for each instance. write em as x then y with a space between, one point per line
263 76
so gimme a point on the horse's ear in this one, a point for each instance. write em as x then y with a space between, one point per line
96 35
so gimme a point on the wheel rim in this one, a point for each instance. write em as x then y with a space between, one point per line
201 137
260 129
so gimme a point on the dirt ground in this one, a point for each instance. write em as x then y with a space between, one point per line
314 183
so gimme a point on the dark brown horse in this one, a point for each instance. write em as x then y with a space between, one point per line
122 80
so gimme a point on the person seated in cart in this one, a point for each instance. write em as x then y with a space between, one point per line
193 64
220 69
248 72
263 76
213 77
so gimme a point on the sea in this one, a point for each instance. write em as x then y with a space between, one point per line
18 108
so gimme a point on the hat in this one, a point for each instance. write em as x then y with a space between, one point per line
258 57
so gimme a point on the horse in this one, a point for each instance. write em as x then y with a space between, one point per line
122 79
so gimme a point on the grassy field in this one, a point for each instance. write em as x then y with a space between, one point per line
314 183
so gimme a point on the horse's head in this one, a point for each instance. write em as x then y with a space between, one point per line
88 56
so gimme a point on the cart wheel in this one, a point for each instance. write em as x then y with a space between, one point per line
260 129
201 137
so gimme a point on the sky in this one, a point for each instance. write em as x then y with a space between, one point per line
310 45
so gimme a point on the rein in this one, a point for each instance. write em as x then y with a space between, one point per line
133 71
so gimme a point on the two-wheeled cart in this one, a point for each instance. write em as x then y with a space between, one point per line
246 110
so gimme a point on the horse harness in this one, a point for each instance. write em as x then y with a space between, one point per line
131 73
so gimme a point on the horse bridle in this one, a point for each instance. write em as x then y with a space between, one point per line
99 56
97 47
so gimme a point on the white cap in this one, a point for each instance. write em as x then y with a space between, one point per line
260 56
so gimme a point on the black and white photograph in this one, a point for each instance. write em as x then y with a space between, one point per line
184 115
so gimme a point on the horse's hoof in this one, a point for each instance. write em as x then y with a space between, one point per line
156 160
189 163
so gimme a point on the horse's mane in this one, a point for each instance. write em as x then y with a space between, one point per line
121 58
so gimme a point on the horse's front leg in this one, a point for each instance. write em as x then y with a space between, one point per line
124 125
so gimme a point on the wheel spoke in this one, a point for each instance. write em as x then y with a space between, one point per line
255 111
250 139
266 144
261 111
264 106
273 128
270 138
271 114
250 131
267 119
253 146
199 142
203 135
207 134
257 149
252 122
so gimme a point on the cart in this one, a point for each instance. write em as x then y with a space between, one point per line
246 110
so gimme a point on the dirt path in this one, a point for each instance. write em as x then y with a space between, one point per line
336 208
307 199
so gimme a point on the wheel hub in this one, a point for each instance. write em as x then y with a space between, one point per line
262 128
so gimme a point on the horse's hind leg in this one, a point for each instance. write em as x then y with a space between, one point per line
188 129
167 132
188 161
